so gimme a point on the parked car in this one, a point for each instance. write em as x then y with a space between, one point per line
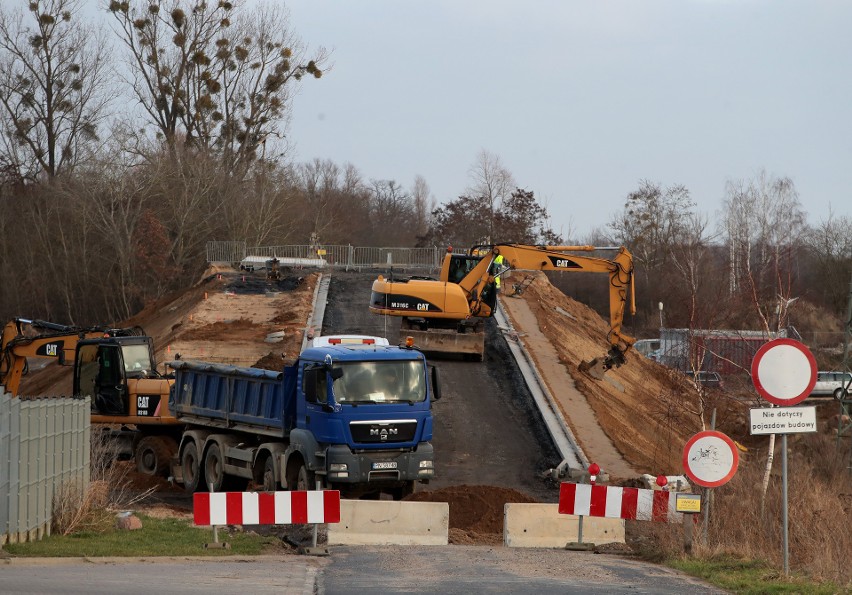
705 378
646 346
835 384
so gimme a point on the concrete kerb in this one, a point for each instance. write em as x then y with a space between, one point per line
315 319
570 451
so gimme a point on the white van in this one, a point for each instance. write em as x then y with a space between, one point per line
836 384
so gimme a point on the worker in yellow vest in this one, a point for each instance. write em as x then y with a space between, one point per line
498 268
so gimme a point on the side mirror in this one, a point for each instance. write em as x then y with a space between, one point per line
436 383
309 384
336 373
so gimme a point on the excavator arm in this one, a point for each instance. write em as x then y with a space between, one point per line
557 258
23 338
442 314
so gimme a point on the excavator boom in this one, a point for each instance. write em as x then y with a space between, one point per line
445 314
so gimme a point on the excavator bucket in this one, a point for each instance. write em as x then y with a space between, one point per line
597 367
470 345
594 368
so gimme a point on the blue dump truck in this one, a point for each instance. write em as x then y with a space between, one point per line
351 414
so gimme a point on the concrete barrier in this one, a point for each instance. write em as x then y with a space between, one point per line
386 522
541 525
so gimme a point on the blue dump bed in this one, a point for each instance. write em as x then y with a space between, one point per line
221 396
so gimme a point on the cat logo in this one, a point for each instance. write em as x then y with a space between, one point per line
51 349
423 307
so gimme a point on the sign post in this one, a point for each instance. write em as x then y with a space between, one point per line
784 373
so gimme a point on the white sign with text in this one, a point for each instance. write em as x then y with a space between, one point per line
783 420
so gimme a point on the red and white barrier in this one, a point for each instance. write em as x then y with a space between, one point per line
618 503
266 508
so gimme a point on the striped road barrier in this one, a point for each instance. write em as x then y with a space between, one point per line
266 508
613 502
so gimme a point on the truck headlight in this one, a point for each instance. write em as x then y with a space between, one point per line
338 467
426 465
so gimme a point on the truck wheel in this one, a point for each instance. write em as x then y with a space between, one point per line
214 468
269 484
840 393
305 479
193 474
153 454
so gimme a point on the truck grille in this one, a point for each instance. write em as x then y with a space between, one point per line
383 431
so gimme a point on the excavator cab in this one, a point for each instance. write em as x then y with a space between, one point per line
458 266
103 368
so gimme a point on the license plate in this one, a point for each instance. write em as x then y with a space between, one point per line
388 465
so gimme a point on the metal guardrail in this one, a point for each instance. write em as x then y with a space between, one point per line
44 445
337 256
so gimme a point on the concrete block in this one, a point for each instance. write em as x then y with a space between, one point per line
541 525
386 522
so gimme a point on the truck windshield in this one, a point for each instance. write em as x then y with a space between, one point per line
380 382
137 358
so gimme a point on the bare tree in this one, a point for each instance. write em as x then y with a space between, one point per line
53 94
765 224
392 213
423 205
491 183
831 245
213 76
765 227
652 221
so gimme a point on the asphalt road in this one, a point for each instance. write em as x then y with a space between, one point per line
356 570
487 430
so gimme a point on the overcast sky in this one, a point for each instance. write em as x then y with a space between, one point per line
582 100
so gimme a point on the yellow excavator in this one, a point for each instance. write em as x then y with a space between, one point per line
116 369
447 314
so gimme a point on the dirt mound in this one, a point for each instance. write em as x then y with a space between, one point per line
640 406
476 512
226 317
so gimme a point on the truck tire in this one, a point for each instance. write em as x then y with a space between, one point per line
269 484
193 473
304 479
840 393
214 469
153 454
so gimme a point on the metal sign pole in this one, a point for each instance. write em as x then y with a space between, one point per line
784 498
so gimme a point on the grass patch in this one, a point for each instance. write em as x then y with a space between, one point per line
157 537
749 576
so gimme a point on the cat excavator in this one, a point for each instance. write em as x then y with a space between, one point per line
116 369
447 315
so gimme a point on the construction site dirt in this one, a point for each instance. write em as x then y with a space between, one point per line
491 444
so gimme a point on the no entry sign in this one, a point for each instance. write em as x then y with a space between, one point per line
784 372
710 459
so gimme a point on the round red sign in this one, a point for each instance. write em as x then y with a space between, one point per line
784 372
710 459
